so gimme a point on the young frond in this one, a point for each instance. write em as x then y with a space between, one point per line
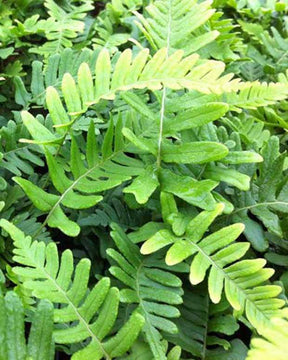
93 312
174 72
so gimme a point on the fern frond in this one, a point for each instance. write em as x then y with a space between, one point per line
150 286
61 27
242 280
251 95
56 65
202 325
267 199
138 73
40 344
50 278
95 175
257 94
177 21
112 210
18 158
274 343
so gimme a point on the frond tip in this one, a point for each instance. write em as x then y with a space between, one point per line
273 345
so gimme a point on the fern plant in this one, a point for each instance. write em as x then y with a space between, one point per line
143 179
50 278
155 290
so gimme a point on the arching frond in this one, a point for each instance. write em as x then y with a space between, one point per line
174 72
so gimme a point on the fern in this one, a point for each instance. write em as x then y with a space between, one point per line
18 158
268 196
273 344
41 135
102 173
57 281
201 322
155 290
68 61
128 74
127 115
61 27
242 280
177 20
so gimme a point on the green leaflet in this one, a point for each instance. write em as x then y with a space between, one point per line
39 132
13 344
230 176
143 186
194 192
197 153
196 116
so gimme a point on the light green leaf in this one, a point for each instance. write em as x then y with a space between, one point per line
197 152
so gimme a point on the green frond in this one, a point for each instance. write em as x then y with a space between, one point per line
55 279
61 27
138 73
202 326
68 61
257 94
267 199
179 21
149 285
273 345
18 158
241 280
98 173
40 344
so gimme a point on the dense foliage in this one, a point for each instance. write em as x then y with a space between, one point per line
144 179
